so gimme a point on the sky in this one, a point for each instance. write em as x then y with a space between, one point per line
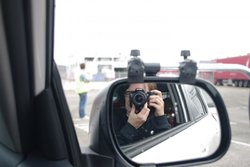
160 29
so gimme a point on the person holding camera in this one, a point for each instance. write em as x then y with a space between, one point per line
144 114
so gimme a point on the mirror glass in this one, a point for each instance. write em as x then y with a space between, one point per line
164 122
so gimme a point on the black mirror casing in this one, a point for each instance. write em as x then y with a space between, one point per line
102 139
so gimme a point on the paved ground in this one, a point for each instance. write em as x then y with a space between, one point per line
236 100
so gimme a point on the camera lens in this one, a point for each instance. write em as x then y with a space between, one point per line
139 98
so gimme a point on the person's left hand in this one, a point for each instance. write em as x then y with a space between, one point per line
157 102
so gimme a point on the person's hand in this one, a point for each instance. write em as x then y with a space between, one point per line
136 120
157 102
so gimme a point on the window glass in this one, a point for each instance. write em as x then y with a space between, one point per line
101 34
195 108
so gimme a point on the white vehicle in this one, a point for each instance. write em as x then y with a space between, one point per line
195 127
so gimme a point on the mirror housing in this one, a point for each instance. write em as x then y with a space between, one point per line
103 140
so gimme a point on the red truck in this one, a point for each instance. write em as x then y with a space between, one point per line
234 78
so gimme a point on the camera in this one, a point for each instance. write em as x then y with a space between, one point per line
139 97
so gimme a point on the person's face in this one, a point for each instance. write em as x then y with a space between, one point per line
133 87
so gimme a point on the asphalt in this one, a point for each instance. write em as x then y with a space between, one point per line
93 85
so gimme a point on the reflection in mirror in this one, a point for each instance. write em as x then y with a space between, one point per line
164 122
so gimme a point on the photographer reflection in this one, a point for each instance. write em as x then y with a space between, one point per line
143 115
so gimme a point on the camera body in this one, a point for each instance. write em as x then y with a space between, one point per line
139 97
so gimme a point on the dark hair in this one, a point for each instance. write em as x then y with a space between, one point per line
82 65
119 102
121 89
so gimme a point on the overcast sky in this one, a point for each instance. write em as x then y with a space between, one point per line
159 28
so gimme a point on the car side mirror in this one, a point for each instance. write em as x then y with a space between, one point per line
194 128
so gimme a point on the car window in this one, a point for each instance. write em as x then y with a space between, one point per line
208 100
102 34
196 107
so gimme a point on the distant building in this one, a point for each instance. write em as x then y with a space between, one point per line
66 72
98 68
62 71
103 68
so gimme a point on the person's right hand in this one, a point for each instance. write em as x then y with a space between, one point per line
136 120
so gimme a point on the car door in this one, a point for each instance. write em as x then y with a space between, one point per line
36 129
203 116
